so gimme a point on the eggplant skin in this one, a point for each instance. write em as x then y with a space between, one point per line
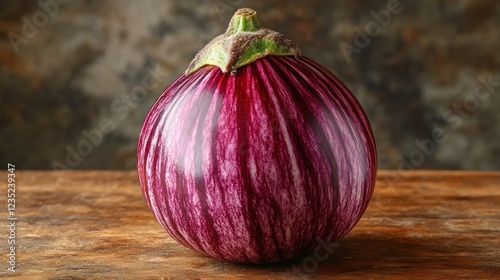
259 166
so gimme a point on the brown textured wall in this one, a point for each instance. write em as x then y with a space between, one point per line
425 71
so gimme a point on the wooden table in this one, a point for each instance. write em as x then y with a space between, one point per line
96 225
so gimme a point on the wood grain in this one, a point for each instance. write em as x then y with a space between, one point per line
96 225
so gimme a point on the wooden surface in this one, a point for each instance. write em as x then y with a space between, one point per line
96 225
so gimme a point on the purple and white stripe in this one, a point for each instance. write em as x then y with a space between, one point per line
257 166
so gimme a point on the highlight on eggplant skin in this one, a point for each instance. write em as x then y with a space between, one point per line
258 166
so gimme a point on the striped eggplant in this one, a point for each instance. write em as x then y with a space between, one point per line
256 153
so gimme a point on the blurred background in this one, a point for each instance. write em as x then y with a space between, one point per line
73 96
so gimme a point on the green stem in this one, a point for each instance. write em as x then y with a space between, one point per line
244 20
243 43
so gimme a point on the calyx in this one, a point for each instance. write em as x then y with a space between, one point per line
243 43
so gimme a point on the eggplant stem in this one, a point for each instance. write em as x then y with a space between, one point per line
243 43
